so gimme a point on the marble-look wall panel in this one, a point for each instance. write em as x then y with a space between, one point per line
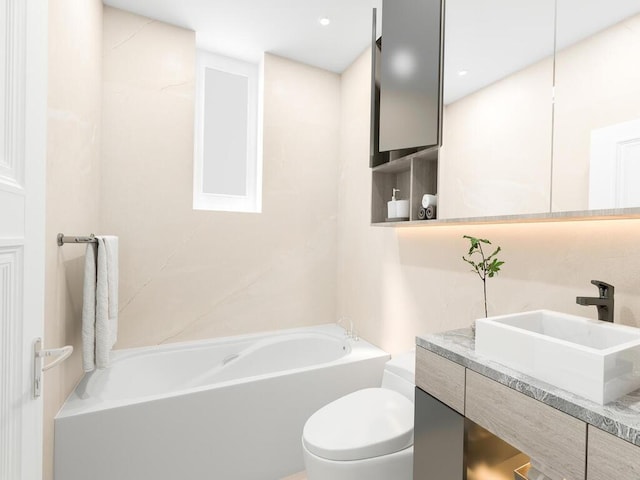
398 283
73 184
189 274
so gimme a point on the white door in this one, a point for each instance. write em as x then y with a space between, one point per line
614 171
23 88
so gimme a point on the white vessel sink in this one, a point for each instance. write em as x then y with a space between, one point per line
597 360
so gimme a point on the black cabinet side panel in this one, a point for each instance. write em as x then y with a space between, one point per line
376 157
438 440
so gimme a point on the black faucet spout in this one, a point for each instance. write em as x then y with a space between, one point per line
604 303
588 301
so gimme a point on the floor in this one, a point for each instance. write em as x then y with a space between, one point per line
297 476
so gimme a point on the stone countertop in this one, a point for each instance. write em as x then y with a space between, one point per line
620 418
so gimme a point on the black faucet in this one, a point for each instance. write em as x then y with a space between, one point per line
604 302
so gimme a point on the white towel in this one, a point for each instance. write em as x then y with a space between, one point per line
429 200
89 308
100 302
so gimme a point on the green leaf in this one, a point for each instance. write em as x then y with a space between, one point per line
494 267
488 266
473 241
494 253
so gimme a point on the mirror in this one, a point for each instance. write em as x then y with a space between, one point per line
596 144
542 112
507 149
497 125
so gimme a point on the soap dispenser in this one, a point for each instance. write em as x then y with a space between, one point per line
397 209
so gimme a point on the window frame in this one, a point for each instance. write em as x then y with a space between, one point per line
251 202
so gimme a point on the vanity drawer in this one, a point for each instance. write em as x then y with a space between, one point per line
441 378
611 457
555 441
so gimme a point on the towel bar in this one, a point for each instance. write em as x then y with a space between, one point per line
62 239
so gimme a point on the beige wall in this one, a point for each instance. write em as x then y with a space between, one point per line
120 154
189 274
398 283
73 176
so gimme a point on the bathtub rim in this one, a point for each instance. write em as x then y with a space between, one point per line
124 353
360 350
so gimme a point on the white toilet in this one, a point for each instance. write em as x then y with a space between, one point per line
368 434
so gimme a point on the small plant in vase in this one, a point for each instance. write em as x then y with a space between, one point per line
486 267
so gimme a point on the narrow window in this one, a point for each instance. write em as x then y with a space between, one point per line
228 163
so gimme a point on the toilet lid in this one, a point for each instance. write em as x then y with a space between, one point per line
364 424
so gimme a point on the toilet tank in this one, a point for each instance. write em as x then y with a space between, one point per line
399 374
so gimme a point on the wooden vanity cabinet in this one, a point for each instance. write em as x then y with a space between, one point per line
441 378
555 441
611 458
559 445
439 418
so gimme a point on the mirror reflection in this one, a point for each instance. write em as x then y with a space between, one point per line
498 78
596 147
508 149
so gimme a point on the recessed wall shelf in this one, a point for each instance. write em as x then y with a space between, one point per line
414 175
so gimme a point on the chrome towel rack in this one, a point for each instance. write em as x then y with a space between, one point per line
62 239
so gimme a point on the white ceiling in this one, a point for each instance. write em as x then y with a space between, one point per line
489 38
494 38
289 28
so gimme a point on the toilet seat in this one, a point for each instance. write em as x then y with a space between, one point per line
364 424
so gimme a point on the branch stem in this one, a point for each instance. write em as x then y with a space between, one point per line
488 267
484 279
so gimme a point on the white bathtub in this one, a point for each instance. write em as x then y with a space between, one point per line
225 409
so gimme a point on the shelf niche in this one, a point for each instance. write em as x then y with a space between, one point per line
414 175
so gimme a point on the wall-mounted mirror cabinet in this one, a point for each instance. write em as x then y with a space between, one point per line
406 116
541 109
596 141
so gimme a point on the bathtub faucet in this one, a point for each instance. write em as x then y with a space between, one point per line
350 333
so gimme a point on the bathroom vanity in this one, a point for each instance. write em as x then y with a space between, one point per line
564 436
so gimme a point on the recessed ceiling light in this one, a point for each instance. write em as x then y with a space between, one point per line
324 21
462 73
